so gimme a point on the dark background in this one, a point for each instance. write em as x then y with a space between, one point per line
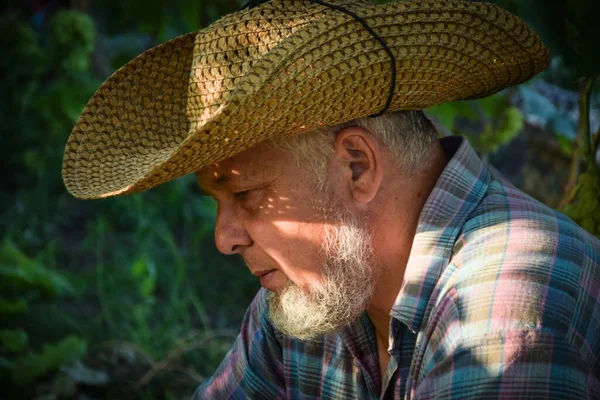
127 298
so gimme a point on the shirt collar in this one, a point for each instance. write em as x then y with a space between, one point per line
459 189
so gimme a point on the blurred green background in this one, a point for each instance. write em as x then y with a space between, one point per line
128 298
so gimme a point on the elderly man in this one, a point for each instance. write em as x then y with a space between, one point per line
393 264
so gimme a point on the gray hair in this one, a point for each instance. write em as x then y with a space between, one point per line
406 134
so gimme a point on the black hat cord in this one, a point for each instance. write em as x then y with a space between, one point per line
254 3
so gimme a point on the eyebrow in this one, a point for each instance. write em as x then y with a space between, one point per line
217 182
221 180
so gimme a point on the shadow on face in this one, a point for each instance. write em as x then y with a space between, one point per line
264 181
269 212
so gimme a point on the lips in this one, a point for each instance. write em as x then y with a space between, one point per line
267 279
262 273
267 276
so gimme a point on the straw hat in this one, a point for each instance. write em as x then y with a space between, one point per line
282 68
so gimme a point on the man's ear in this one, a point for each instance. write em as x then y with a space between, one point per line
359 155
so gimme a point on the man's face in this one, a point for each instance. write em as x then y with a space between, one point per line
313 255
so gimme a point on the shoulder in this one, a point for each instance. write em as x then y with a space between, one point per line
518 312
520 264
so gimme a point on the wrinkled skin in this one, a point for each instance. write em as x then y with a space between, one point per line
270 214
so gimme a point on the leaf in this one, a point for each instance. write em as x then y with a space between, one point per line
563 125
34 365
447 113
8 307
589 225
547 114
139 267
190 13
71 37
80 373
17 270
565 144
511 124
13 340
572 212
147 287
493 106
10 253
536 104
145 272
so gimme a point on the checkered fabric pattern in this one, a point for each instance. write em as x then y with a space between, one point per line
500 300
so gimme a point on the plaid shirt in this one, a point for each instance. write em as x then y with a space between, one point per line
500 299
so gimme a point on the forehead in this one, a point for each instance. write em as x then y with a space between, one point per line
259 162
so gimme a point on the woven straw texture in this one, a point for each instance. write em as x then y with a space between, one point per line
284 68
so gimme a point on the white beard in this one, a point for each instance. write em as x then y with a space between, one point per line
343 293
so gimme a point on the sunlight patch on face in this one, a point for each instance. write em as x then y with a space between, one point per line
304 231
340 292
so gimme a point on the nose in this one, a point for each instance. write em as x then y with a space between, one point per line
231 236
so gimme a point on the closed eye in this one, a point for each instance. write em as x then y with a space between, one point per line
250 198
241 195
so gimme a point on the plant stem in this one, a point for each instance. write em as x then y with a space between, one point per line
583 138
183 346
584 118
180 265
595 148
573 195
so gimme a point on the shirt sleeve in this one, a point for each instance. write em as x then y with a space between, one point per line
516 364
252 368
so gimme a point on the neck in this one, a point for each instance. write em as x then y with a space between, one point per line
403 202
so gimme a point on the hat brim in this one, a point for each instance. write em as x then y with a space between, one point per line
135 132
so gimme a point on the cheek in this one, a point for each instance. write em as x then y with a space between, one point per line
296 248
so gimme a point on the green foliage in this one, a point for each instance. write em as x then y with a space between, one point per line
585 208
8 307
34 365
500 122
144 272
25 284
161 20
550 117
71 37
44 87
130 260
104 294
18 272
570 29
448 113
13 340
